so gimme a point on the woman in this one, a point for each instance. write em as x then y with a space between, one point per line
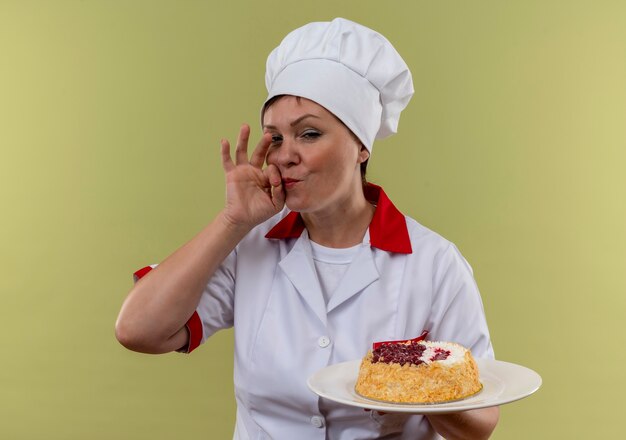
308 262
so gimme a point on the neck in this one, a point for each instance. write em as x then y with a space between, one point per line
342 226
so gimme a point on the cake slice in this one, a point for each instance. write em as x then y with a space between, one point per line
417 371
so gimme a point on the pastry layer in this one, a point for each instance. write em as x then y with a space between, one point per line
432 381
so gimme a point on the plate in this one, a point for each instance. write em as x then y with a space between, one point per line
503 382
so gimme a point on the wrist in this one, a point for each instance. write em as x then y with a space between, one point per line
230 226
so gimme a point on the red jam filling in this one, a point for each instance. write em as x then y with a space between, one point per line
406 353
419 338
399 353
440 355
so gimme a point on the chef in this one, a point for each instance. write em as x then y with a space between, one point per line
308 261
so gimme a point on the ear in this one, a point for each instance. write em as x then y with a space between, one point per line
364 154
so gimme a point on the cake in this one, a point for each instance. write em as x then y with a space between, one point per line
417 371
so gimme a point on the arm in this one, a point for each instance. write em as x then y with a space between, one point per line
154 314
468 425
459 317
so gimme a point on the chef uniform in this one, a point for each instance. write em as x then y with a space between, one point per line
402 279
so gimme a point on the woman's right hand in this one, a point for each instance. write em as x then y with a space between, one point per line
253 194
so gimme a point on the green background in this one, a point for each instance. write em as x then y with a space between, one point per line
110 118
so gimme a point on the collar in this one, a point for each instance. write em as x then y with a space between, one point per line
388 230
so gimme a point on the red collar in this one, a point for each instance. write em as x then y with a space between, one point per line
388 229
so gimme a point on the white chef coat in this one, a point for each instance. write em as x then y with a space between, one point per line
405 279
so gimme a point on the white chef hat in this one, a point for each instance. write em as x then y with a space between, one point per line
349 69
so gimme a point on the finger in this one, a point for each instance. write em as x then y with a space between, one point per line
382 413
260 151
277 191
241 152
273 175
227 161
278 197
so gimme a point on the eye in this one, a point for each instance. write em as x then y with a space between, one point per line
276 139
311 134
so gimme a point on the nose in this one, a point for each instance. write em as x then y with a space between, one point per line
285 155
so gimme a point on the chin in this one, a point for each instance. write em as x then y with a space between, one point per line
296 204
297 207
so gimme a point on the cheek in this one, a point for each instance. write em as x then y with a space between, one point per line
337 171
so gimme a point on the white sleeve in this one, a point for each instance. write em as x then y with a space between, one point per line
216 308
457 312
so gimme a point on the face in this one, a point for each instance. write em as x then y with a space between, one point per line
317 156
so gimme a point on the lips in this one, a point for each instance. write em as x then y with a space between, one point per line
289 182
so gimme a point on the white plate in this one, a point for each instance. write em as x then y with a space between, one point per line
503 382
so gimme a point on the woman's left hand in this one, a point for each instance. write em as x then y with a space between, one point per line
476 424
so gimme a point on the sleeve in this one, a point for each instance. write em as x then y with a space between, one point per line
457 312
215 310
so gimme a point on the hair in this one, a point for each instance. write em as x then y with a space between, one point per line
273 99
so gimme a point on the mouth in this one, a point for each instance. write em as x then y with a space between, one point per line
290 183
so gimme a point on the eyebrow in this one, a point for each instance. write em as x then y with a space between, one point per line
295 122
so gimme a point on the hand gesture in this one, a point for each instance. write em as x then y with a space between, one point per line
253 194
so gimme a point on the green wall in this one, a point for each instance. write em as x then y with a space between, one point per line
110 118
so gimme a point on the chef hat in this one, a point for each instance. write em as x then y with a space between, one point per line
352 71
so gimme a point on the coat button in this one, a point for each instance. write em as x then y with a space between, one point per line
317 421
323 341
